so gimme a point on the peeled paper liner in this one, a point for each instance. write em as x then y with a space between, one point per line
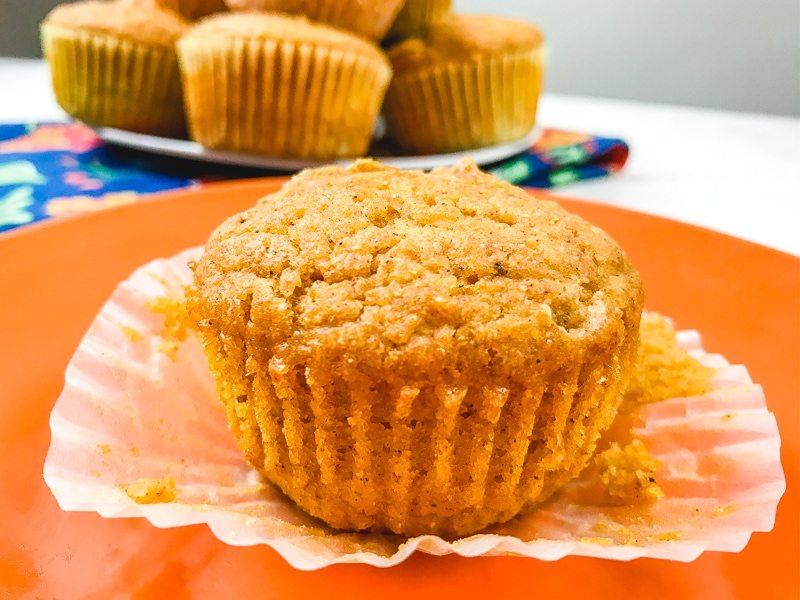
139 404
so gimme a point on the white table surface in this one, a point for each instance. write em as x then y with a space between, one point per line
737 173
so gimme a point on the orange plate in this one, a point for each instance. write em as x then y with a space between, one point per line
54 277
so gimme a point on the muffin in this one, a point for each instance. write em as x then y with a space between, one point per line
368 18
282 86
415 353
113 64
416 16
194 9
473 81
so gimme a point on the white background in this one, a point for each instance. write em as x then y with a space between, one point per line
730 54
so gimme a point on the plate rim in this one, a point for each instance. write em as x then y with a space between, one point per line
192 150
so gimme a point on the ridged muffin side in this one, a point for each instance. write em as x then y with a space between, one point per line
281 86
415 353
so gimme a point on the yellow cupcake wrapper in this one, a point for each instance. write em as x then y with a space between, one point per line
451 459
459 106
416 15
281 98
112 82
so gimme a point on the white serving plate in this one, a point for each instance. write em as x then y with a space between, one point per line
194 151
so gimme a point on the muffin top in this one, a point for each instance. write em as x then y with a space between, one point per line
458 37
368 18
408 272
138 20
194 9
282 28
416 16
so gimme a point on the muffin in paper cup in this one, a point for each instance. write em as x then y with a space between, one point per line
416 16
415 352
370 19
113 64
281 86
139 431
473 81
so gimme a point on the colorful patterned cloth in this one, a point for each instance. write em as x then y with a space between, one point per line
52 170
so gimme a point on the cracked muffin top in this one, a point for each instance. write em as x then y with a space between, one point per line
408 272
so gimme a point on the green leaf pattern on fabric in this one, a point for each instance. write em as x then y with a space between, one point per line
20 172
13 206
56 169
568 155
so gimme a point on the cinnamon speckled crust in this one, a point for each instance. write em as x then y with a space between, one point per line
136 20
415 353
368 18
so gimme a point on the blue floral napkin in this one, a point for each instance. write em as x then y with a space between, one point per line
52 170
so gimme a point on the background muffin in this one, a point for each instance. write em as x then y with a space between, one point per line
416 16
415 353
194 9
368 18
281 86
113 64
473 81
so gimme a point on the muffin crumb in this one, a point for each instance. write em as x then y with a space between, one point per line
663 369
151 491
176 320
134 335
633 536
628 474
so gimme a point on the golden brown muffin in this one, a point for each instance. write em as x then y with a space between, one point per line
281 86
473 81
416 16
113 64
415 353
194 9
368 18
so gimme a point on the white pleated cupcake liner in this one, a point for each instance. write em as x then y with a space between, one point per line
140 404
